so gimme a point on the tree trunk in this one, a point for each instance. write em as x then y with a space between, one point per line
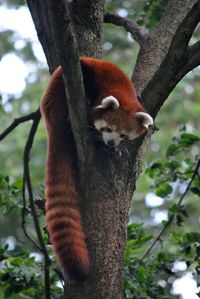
107 180
105 202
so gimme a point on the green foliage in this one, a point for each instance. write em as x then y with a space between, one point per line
177 167
150 278
21 275
9 194
153 10
6 44
144 12
149 270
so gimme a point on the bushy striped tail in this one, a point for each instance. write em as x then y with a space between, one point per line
66 234
62 210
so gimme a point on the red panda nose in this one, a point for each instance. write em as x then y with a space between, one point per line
111 142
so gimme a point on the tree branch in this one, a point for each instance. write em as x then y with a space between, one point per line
194 53
160 86
168 223
192 62
18 121
24 211
165 50
175 13
38 10
27 183
69 59
136 31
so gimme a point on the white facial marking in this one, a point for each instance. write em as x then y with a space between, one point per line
109 102
132 135
148 120
107 136
100 123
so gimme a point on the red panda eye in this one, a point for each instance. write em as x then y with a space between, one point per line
123 136
105 129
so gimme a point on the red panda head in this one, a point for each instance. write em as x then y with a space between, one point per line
117 123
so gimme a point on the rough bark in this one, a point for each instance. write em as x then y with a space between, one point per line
164 53
107 180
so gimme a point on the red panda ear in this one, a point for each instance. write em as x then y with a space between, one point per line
109 102
144 119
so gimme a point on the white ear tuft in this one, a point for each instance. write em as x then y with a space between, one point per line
109 102
145 119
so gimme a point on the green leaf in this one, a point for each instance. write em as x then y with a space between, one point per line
179 220
156 165
173 165
172 148
188 139
195 190
18 183
192 237
8 291
163 190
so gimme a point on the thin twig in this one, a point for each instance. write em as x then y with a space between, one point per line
28 185
136 31
168 223
23 217
18 121
15 123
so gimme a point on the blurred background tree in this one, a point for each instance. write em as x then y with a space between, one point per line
21 277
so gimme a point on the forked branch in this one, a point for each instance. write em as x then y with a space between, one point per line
136 31
192 62
18 121
27 185
178 60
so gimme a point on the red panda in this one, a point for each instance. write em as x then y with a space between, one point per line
117 115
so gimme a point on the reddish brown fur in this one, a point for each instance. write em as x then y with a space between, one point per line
101 79
62 211
112 81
